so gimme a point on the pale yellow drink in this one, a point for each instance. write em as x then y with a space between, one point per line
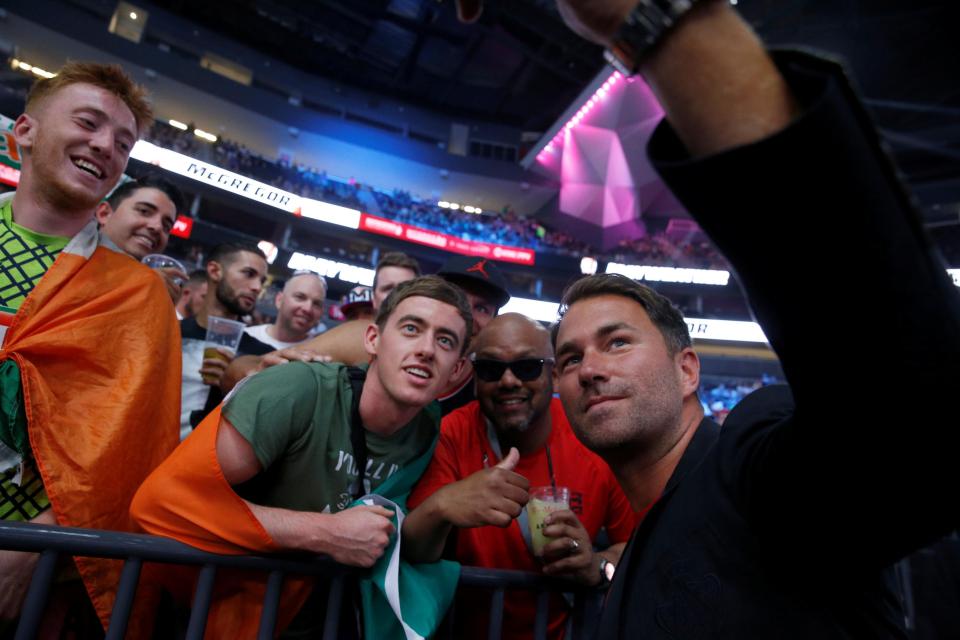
214 353
225 334
543 502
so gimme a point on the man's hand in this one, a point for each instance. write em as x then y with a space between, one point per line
211 370
493 496
357 536
570 554
174 279
16 570
290 354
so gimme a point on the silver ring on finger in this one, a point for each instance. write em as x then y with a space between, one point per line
574 546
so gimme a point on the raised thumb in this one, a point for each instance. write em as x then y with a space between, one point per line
508 463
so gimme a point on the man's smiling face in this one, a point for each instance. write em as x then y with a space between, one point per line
141 223
76 142
418 349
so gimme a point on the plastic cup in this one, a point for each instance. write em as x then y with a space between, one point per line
222 334
543 502
160 261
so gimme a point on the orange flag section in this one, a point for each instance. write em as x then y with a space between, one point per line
98 348
188 499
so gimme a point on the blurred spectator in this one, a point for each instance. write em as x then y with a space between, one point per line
194 293
358 304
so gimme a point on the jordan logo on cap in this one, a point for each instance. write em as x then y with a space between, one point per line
480 268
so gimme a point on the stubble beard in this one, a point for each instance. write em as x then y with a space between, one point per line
228 298
59 194
638 431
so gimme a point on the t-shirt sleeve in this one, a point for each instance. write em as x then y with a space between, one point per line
251 346
621 519
443 468
274 409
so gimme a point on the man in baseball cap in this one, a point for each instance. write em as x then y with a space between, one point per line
486 289
357 304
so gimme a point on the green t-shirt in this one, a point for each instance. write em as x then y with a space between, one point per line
296 417
24 257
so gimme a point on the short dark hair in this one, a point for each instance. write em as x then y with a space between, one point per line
224 253
429 287
109 77
197 276
663 314
149 181
396 259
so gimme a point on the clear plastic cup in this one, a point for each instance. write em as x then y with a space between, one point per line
543 502
159 261
222 334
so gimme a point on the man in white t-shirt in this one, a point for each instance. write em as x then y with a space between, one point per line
299 309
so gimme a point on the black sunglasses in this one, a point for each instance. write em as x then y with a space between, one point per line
525 369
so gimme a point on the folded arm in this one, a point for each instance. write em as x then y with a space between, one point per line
356 536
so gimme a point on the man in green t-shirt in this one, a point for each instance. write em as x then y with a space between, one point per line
284 439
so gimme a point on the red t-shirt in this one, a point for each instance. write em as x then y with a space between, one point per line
595 497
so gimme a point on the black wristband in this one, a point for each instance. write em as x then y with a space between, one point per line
642 30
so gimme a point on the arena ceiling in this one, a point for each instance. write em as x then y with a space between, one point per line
519 65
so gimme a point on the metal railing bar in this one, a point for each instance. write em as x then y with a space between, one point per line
496 615
540 622
271 603
126 591
37 593
511 579
201 603
51 540
21 536
331 624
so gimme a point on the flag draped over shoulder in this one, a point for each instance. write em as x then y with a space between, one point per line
188 499
97 348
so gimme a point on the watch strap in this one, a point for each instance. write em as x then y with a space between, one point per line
641 30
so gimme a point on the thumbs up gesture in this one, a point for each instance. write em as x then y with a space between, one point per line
510 462
493 496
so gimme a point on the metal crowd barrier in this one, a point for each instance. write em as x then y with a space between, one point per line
52 542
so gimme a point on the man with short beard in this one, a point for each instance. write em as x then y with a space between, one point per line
235 276
491 450
784 523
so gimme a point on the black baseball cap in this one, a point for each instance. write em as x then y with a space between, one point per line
477 273
359 296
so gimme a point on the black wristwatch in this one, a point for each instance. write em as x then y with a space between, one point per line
607 569
642 29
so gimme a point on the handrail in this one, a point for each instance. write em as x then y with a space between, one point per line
135 549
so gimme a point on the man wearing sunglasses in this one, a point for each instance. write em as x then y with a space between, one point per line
491 451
